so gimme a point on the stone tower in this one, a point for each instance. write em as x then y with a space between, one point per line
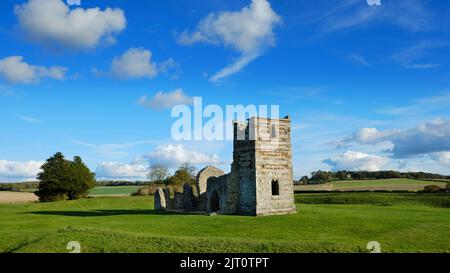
262 164
260 181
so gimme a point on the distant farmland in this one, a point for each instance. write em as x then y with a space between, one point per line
113 190
371 185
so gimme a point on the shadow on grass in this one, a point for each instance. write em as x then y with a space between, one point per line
100 213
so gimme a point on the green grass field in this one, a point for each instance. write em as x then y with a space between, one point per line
331 222
113 190
371 185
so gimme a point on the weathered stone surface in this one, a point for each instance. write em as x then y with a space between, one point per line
178 200
189 201
160 199
203 175
169 203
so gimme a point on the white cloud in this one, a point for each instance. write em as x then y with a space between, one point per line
429 137
137 63
170 156
442 158
53 23
19 171
357 161
370 136
175 155
14 70
117 170
165 100
248 31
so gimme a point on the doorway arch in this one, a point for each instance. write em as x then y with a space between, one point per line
214 202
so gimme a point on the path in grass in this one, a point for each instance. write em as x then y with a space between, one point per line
129 224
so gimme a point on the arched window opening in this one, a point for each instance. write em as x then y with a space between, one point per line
275 187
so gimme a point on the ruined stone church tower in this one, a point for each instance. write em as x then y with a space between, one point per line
260 181
262 158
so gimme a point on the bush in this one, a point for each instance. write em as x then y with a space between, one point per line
144 191
175 188
180 177
63 179
432 188
149 190
53 197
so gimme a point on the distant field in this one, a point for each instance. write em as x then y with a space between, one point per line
113 190
16 197
324 222
371 185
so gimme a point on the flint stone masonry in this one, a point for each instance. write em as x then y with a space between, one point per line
189 201
260 181
203 175
160 199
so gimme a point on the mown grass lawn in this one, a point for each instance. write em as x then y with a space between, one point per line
113 190
129 224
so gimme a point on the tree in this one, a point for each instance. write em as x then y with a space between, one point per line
63 179
304 180
180 177
157 173
322 177
192 170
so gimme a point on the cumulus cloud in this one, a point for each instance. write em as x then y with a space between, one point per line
175 155
117 170
17 170
357 161
15 70
442 158
54 23
248 31
165 100
137 63
429 137
170 156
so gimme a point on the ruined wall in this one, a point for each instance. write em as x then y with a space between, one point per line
273 156
203 175
243 169
262 157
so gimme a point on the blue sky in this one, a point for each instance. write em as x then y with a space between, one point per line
367 87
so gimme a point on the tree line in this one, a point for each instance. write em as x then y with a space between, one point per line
320 177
